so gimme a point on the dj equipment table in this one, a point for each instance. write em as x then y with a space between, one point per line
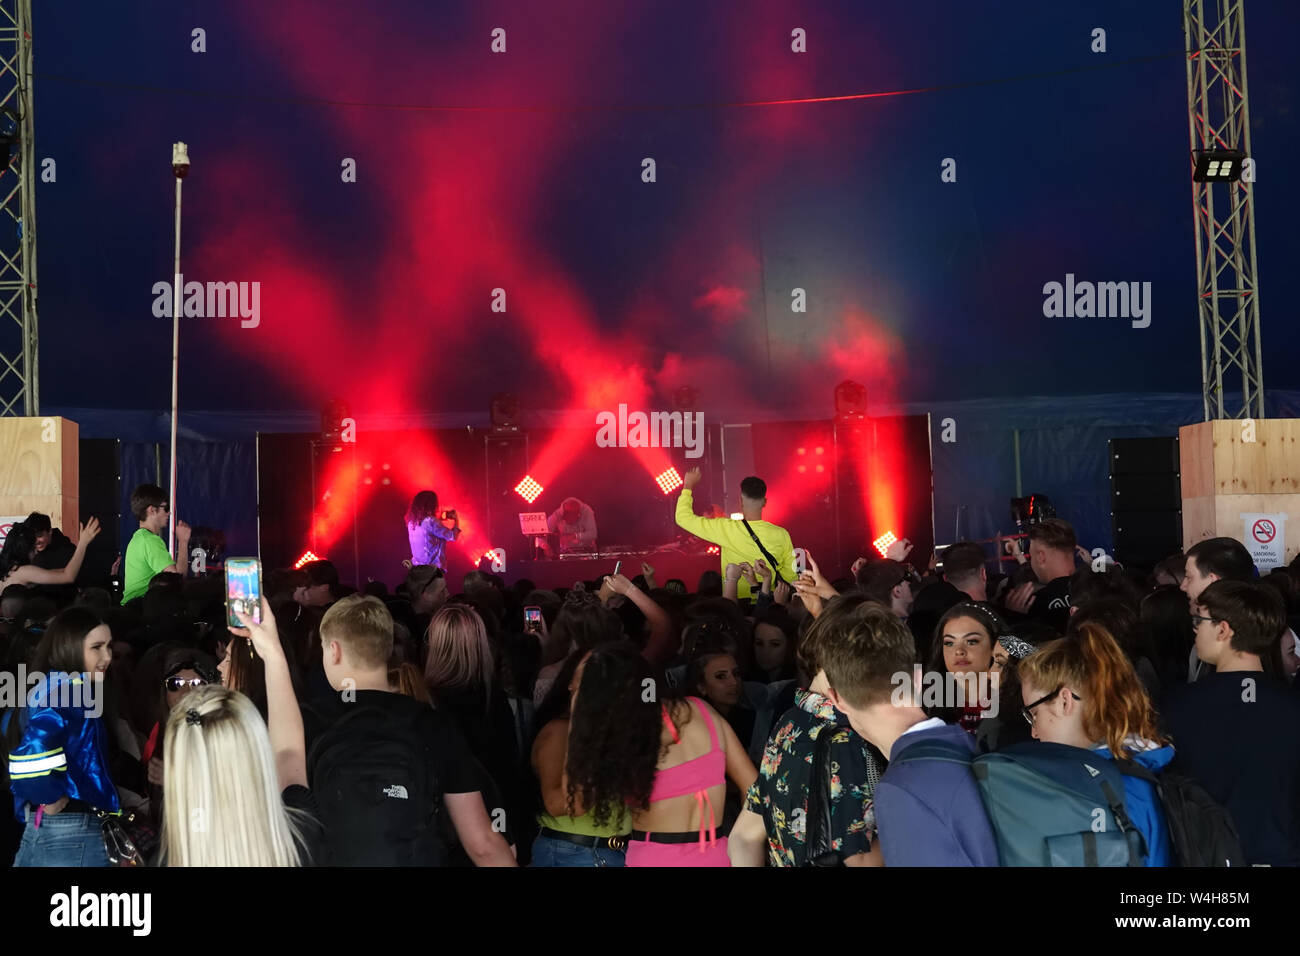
562 572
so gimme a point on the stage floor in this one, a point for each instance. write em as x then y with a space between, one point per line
667 564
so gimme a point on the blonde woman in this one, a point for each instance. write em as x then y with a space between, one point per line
237 787
460 672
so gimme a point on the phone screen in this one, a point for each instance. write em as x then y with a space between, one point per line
533 618
243 589
800 561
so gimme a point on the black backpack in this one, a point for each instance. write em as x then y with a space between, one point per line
372 775
1201 831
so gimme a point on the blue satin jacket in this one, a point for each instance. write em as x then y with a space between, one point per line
64 749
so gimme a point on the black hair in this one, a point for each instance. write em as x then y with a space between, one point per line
1168 621
423 505
17 549
614 735
61 650
710 584
1226 557
145 497
39 523
755 489
962 559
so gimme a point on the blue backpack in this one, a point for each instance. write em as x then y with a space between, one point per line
1057 805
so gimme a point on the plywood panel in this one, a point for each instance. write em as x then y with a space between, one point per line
36 458
1228 510
1196 461
62 509
1268 465
1198 520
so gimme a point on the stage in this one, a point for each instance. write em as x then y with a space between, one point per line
834 484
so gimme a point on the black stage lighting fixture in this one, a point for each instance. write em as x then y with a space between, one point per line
1218 166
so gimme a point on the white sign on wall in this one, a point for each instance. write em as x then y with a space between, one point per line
1265 538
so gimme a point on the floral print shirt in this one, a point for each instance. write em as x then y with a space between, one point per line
780 794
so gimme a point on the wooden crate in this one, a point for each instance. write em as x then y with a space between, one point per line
1225 476
38 470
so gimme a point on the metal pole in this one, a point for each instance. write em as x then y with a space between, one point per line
176 360
180 169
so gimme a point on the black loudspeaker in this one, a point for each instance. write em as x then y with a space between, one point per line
1145 500
505 463
99 476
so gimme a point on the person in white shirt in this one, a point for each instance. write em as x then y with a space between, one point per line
575 523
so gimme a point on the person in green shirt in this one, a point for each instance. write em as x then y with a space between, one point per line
737 545
146 554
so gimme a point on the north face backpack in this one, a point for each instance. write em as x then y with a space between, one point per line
372 776
1200 829
1056 805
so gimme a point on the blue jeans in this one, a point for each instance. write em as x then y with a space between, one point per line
65 839
548 851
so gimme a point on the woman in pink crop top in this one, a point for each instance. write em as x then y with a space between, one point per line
666 761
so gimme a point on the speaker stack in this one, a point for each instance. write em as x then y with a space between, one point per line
1145 500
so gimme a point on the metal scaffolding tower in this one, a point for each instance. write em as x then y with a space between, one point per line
1218 117
19 388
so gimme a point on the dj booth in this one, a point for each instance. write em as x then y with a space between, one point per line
668 563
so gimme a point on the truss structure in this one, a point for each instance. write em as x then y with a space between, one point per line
19 386
1218 117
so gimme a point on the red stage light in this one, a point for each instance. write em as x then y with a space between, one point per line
528 489
884 541
713 549
669 481
307 557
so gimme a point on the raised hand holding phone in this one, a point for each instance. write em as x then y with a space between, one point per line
243 590
262 633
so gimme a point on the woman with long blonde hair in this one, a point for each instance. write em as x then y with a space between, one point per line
237 787
1082 691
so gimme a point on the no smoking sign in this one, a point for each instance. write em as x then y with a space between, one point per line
1265 538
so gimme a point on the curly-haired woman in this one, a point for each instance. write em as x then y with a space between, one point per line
628 748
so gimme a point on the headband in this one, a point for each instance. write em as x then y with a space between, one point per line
1016 647
992 620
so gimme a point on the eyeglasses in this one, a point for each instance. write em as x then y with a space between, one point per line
1028 710
1200 617
180 683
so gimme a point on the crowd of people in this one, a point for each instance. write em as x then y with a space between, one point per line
775 714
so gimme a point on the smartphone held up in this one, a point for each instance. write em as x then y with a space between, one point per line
243 589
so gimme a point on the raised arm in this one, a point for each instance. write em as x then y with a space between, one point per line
662 643
30 574
740 769
686 516
283 718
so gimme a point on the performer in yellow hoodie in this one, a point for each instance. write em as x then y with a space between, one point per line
734 536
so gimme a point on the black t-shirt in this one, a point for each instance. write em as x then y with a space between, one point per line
454 768
311 840
1052 604
1236 734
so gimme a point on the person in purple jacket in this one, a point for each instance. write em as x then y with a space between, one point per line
429 531
928 811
